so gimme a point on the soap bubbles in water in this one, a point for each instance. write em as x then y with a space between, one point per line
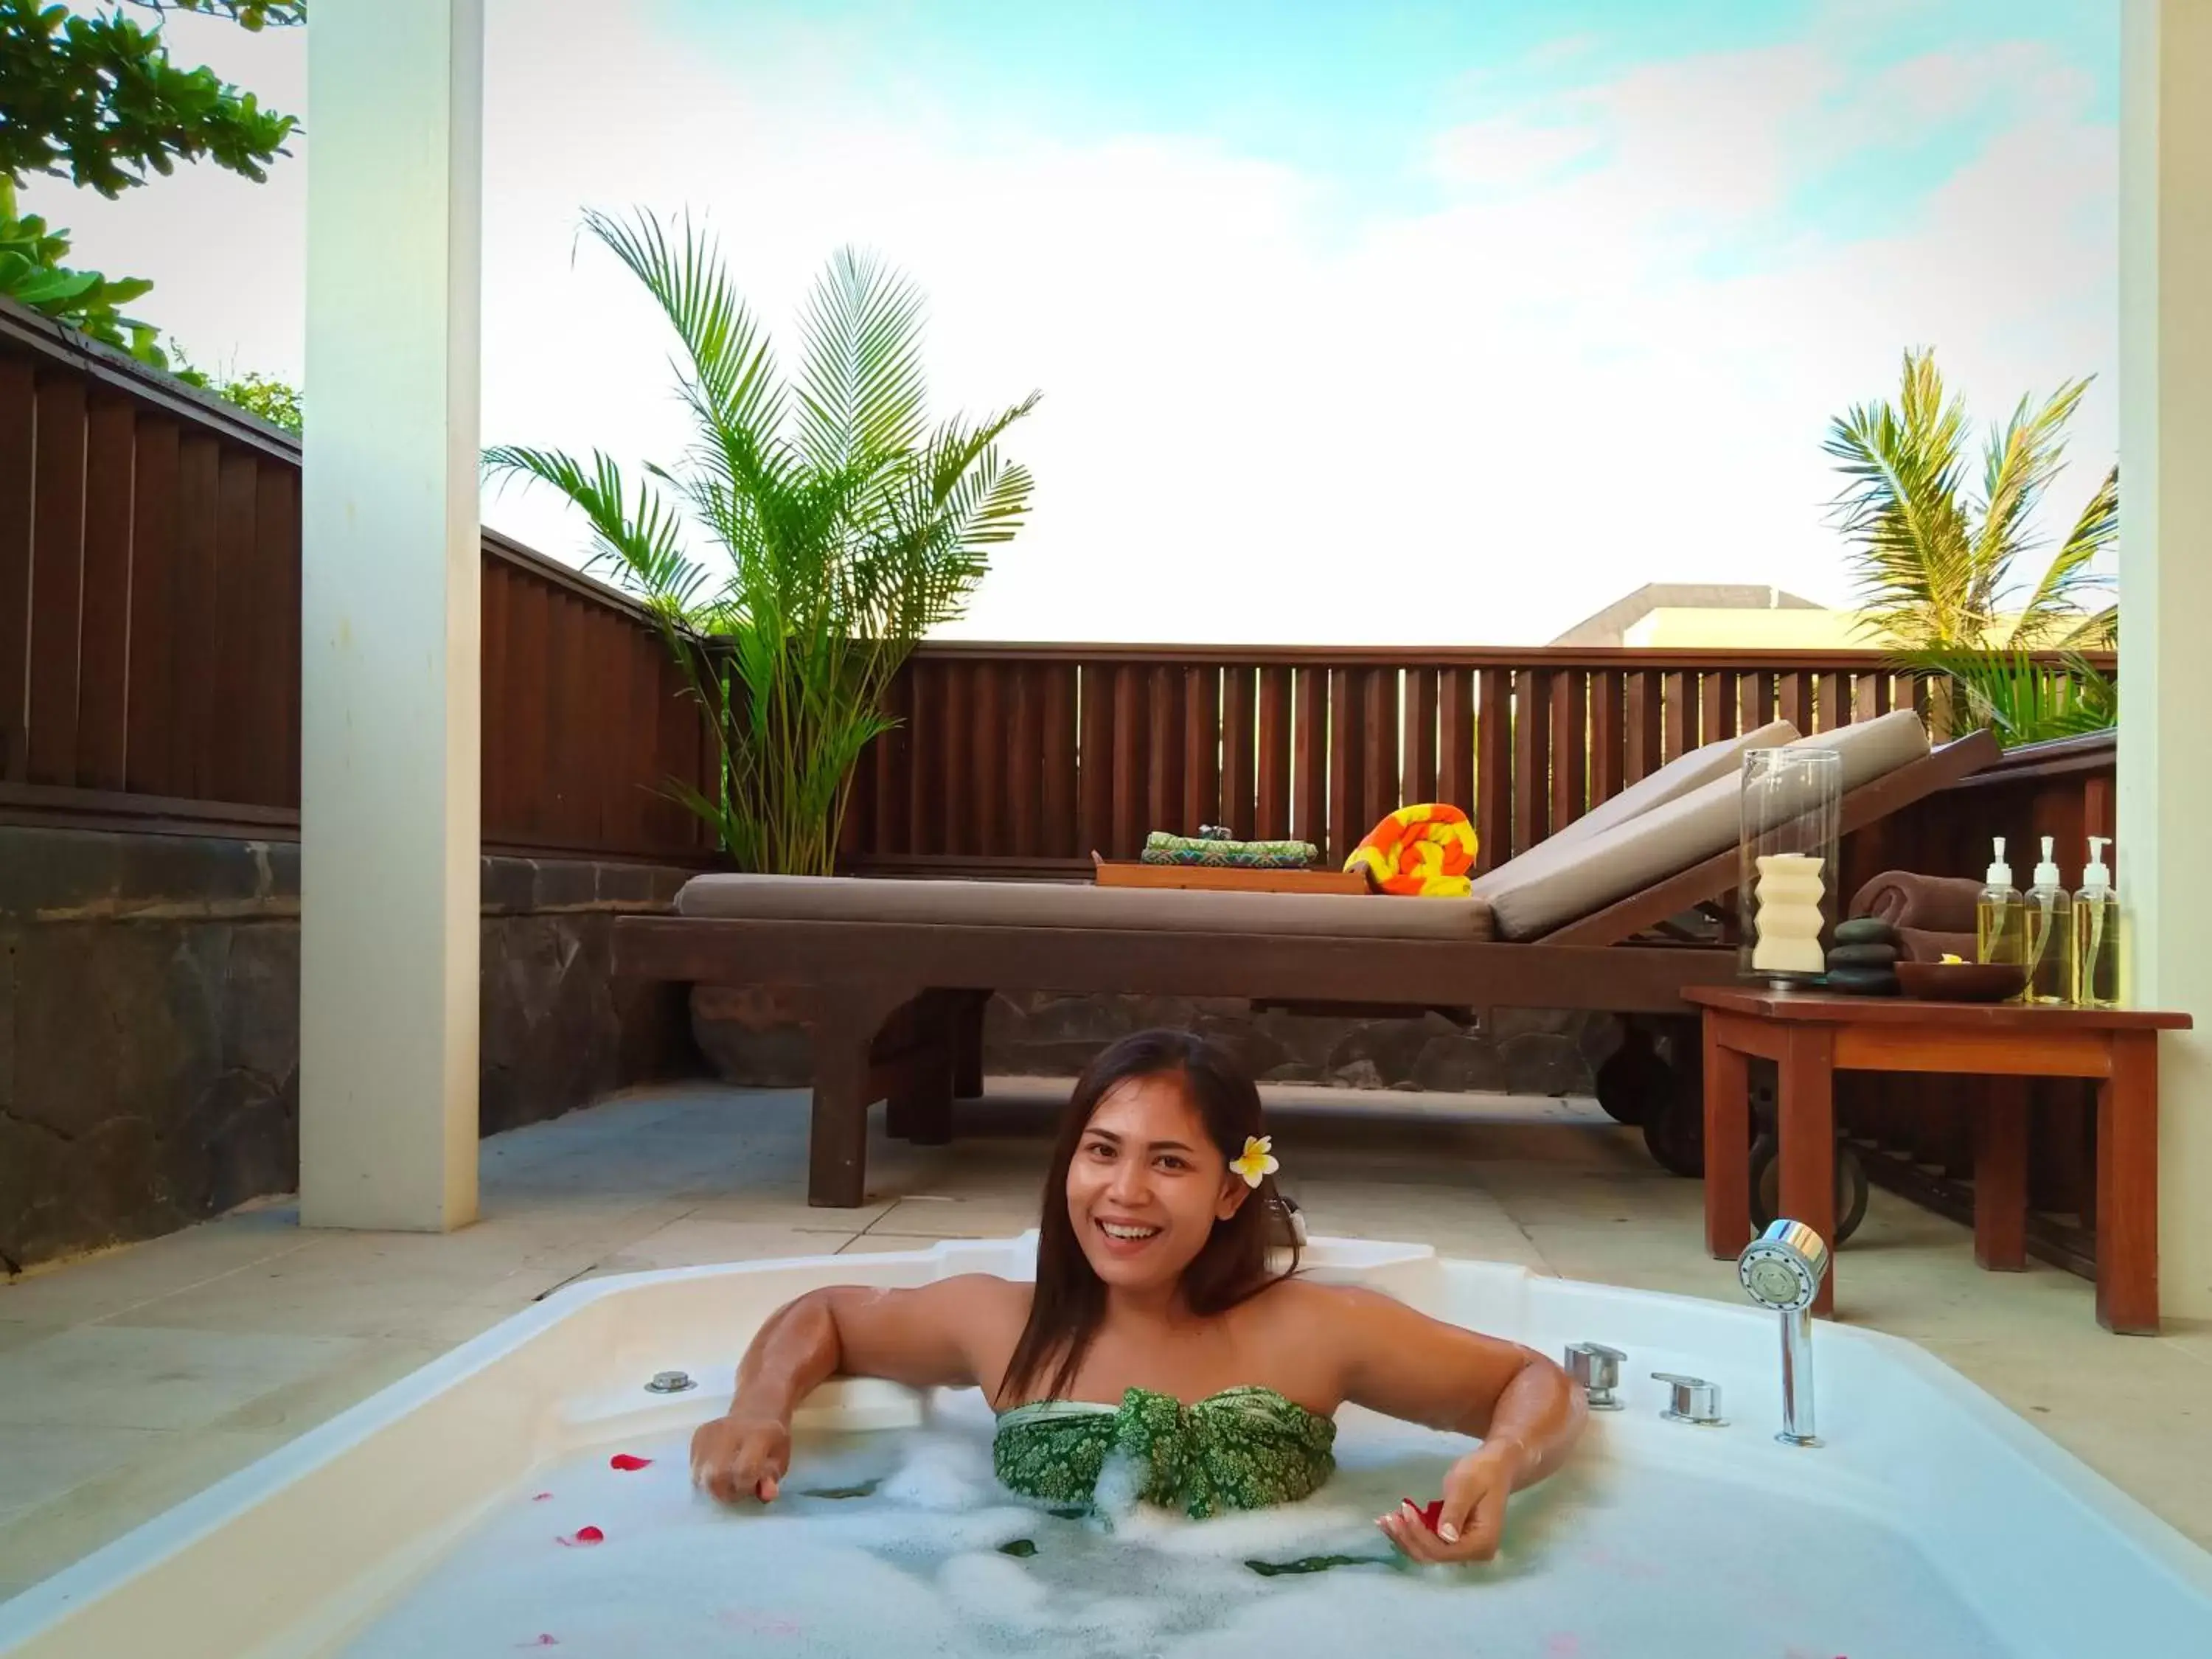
896 1545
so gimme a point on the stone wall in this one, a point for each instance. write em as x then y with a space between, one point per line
149 1021
747 1035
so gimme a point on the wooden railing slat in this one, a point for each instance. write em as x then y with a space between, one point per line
1309 756
57 580
1130 729
1680 693
1608 758
1569 745
957 803
1378 739
1199 743
1493 768
1271 764
987 748
1416 741
199 462
1456 774
1057 834
104 676
1646 701
1026 758
19 426
1532 757
1095 759
1239 736
1346 759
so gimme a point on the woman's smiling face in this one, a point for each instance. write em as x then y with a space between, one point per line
1147 1184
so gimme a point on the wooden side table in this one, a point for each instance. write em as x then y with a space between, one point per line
1812 1035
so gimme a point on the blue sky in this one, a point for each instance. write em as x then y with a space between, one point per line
1555 298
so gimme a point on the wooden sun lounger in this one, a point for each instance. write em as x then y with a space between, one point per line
894 1008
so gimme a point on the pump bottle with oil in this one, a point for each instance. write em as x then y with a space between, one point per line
2048 943
2097 932
1999 928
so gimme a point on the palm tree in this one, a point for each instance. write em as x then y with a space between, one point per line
1936 565
850 526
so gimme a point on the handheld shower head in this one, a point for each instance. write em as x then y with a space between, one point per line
1783 1267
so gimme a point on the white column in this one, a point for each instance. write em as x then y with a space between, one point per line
2164 807
389 595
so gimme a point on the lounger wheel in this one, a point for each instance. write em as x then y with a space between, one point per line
1675 1134
1767 1187
1633 1082
1675 1125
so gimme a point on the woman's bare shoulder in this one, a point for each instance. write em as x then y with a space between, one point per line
1323 1315
987 1293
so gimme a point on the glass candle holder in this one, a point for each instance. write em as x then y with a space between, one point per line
1787 902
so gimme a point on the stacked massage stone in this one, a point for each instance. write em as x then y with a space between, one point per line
1862 961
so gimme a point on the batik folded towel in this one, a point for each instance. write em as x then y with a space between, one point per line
1161 847
1425 851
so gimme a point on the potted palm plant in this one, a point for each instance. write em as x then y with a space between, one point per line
848 526
1939 562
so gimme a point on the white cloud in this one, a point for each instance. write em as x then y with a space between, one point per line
1262 421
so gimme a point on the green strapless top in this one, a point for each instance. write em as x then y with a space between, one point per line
1243 1449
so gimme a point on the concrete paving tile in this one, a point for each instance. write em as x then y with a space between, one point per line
142 1378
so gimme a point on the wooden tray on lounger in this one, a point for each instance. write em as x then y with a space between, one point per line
1221 879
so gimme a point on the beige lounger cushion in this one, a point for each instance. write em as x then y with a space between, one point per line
1061 904
1677 778
1545 893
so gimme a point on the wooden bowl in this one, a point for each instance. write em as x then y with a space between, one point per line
1961 982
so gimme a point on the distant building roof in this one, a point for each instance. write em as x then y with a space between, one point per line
1610 626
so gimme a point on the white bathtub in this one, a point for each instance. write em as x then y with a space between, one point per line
302 1552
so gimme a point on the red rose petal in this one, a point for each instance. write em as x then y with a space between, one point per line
584 1535
1432 1513
541 1497
626 1462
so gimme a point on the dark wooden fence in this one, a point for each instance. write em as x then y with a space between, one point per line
1033 756
150 633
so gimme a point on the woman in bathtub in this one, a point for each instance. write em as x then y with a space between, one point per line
1157 1329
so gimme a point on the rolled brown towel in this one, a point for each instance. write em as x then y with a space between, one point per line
1940 904
1919 945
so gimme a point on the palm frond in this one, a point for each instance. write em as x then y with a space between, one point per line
728 355
2053 612
1903 465
2024 698
2021 460
862 395
635 536
1935 572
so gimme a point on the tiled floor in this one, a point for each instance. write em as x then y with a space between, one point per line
129 1380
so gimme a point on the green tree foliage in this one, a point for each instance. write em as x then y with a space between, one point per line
1942 568
263 395
96 100
849 524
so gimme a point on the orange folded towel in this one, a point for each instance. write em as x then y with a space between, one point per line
1426 851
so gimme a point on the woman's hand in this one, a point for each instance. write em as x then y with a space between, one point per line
1474 1517
737 1457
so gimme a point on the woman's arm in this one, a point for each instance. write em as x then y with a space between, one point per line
1526 1410
924 1337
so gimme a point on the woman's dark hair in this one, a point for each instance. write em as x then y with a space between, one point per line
1070 1299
